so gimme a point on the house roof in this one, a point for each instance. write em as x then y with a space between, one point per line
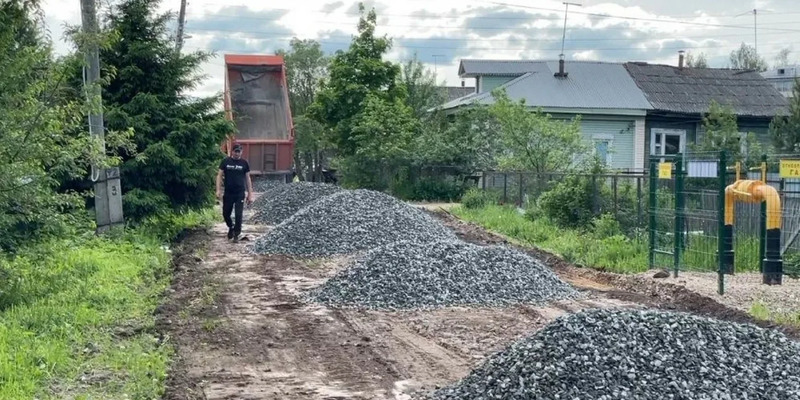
469 68
690 90
453 92
589 85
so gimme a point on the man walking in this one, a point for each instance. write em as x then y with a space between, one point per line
236 171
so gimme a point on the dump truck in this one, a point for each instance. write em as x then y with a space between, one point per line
256 100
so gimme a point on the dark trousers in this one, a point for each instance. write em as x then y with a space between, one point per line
229 202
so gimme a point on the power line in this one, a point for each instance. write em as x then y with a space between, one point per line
277 34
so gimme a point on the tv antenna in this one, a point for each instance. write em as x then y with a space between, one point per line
566 11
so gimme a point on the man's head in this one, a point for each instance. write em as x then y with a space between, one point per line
237 151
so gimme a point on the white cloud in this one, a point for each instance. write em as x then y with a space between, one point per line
444 31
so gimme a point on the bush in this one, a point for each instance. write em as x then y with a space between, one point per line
606 226
571 203
138 204
477 198
428 189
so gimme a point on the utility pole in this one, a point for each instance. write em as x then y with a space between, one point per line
436 65
564 36
181 22
107 189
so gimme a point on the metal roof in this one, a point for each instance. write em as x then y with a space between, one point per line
690 90
589 85
454 92
469 68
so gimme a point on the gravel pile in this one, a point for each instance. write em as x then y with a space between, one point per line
619 354
347 222
282 202
266 184
411 275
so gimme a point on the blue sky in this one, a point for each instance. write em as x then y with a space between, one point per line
442 32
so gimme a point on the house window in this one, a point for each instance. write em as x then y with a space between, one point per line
665 142
602 147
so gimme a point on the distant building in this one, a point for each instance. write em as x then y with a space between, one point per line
783 78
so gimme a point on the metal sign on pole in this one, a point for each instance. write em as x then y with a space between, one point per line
107 189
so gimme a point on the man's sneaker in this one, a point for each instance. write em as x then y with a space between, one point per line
230 233
235 238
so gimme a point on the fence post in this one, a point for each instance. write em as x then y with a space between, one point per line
639 202
679 210
616 198
721 172
520 189
594 194
762 231
652 205
505 188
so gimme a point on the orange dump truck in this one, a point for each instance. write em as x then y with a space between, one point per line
257 101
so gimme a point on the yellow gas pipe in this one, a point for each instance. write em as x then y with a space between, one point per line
754 191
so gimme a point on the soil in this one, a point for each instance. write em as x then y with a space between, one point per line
242 330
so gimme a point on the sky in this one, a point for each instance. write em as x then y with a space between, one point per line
442 32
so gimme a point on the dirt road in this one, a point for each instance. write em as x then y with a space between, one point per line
242 331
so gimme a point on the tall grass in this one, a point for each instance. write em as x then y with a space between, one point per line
76 315
602 246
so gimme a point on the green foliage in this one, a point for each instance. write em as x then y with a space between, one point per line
420 85
427 188
471 141
533 141
475 198
356 75
614 253
33 146
177 138
696 62
306 67
575 201
77 294
606 226
745 57
785 129
722 133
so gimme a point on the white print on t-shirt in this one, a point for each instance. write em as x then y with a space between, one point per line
236 167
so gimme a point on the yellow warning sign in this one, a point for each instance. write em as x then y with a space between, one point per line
790 169
665 170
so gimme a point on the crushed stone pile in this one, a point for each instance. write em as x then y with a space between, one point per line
266 184
282 202
419 275
625 354
347 222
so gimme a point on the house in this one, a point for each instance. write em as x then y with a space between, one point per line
612 108
450 93
783 78
680 97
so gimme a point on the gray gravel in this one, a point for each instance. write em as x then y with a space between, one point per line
626 354
282 202
349 222
266 184
419 275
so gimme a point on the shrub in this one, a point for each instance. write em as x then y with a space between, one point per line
606 226
571 203
477 198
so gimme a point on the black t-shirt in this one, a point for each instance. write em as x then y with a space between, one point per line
234 172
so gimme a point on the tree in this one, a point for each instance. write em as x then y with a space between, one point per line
382 133
356 74
699 62
785 129
470 142
420 84
306 66
532 140
721 132
34 149
747 58
782 59
177 138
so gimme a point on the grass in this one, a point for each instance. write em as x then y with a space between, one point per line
760 310
76 315
603 247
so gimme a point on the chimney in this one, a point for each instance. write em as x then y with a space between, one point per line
680 59
561 73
